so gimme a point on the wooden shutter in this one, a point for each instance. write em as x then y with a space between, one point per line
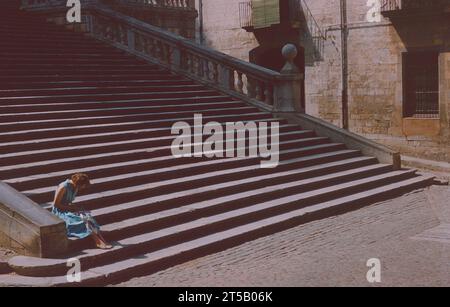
265 13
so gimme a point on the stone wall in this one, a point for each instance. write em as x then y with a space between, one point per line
222 30
375 71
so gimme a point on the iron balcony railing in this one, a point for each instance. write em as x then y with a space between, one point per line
299 11
412 5
246 14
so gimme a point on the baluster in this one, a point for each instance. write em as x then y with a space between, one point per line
145 44
259 90
199 67
231 80
268 93
168 54
152 47
160 52
251 87
207 70
191 63
183 60
215 72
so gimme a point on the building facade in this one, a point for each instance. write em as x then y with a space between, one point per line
396 58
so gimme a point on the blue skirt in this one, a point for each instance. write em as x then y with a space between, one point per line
77 226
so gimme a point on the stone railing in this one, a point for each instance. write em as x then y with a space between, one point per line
271 90
243 80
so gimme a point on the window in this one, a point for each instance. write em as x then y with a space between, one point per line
265 13
421 84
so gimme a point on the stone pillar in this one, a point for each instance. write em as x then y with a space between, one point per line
288 90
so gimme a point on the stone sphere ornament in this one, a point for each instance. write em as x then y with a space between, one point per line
289 52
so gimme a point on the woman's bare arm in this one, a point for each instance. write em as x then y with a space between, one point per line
60 206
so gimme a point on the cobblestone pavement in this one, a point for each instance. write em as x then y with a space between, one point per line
333 251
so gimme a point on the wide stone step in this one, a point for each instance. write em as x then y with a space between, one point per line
309 166
57 45
153 261
85 90
115 195
46 194
220 198
104 175
160 212
30 29
82 72
33 168
51 57
162 157
70 132
83 98
6 85
104 110
43 35
92 66
148 117
62 49
25 60
239 181
66 141
69 77
85 102
143 113
14 157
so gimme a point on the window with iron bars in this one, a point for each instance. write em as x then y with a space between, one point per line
421 84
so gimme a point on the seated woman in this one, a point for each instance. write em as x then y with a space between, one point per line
80 224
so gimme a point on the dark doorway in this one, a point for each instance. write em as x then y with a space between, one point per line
421 84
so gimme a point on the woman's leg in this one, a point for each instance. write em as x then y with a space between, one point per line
98 238
100 242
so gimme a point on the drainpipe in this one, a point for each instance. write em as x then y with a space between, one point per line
344 59
200 20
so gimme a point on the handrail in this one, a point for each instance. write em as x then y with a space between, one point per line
317 36
188 44
314 24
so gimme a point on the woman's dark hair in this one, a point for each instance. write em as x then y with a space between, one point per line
80 179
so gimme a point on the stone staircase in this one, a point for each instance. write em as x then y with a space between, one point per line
71 104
